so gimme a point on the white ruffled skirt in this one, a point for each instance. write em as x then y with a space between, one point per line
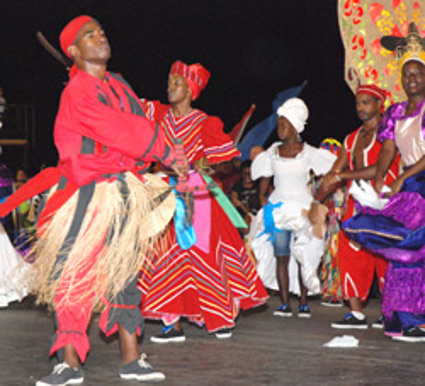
306 249
13 269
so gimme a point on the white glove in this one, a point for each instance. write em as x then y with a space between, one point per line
364 193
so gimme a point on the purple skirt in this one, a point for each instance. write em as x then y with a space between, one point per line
397 233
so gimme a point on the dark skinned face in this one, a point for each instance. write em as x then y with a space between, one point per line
178 89
413 78
285 130
91 45
246 175
367 107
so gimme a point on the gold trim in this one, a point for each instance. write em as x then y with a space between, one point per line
389 236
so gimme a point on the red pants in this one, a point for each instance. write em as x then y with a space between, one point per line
357 267
72 320
77 287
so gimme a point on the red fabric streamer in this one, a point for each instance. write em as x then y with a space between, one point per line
40 183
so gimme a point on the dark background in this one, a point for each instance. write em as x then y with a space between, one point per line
253 48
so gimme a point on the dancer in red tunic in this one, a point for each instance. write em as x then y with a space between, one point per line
357 160
100 214
205 275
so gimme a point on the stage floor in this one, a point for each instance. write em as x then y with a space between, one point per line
264 350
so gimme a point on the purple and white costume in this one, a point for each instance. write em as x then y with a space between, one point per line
397 232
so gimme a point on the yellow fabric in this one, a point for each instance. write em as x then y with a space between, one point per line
407 57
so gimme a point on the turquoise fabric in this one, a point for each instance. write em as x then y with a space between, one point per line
226 204
269 224
185 234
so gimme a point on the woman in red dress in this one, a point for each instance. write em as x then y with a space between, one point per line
204 274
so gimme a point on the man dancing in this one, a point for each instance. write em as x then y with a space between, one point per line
357 161
101 215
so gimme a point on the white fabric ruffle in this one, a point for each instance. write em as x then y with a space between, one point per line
12 271
306 249
364 193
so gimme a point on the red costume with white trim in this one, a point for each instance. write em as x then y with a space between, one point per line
206 286
209 282
357 265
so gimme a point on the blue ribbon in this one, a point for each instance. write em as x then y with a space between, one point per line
269 224
185 234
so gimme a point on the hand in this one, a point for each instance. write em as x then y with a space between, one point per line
203 166
180 169
395 187
248 218
314 214
330 181
236 203
317 216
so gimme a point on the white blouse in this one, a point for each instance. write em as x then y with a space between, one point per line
291 175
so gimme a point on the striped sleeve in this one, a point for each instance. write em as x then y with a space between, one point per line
218 147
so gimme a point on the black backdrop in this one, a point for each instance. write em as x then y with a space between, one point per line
253 48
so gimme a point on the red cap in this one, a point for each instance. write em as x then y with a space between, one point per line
196 76
70 32
371 89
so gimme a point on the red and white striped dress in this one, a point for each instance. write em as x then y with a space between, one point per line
207 287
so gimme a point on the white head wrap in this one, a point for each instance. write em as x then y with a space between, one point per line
296 112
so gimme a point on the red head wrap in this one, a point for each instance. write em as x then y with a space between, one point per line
196 76
375 91
371 89
70 32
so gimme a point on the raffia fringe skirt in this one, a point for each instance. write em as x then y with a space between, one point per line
106 252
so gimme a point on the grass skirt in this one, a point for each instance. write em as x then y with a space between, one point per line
118 227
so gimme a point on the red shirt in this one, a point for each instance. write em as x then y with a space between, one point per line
370 155
100 129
